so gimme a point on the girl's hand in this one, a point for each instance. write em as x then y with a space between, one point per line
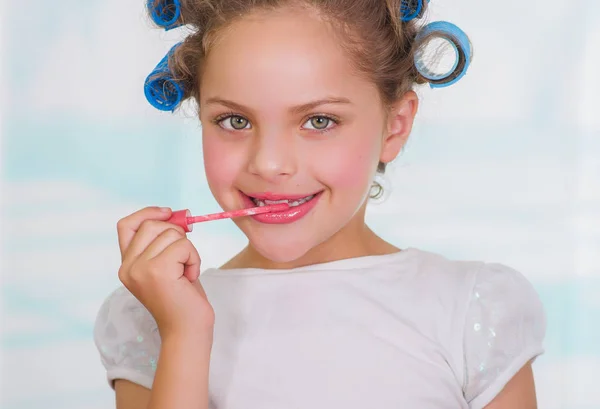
161 267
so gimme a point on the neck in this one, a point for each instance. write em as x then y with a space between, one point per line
355 239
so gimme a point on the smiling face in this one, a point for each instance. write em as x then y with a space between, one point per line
284 116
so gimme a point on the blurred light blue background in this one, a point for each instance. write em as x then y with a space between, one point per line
504 166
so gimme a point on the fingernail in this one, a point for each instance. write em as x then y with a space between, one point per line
165 209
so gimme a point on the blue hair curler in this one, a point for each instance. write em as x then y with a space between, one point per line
411 9
160 88
165 13
461 45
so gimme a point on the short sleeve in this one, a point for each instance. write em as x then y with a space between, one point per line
127 338
505 329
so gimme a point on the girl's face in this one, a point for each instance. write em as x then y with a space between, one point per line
285 117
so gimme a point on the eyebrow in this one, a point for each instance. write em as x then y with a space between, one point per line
294 110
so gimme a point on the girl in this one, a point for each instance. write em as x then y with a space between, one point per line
305 101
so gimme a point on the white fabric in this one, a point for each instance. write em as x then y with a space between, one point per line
407 330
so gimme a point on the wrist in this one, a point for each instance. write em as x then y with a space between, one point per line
196 329
190 335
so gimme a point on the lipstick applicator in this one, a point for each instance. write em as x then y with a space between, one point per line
184 218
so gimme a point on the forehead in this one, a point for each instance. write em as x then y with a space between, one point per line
284 55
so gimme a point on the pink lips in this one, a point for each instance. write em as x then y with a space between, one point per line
289 215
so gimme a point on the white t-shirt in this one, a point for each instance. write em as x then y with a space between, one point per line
407 330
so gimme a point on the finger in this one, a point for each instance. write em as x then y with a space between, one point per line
128 226
164 240
147 233
183 251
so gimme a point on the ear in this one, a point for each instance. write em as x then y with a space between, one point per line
399 125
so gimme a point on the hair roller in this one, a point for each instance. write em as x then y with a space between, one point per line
160 88
426 58
165 13
411 9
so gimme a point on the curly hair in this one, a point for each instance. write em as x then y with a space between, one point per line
380 45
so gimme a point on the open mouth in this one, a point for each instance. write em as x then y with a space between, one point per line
293 201
300 206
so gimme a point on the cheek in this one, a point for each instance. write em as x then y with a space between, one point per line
222 164
351 165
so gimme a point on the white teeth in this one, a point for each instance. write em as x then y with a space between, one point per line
299 202
291 203
272 202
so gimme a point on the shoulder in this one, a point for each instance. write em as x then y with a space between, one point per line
479 286
504 330
503 304
442 276
505 292
487 315
127 339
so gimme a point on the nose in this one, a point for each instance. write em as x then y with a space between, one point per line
273 156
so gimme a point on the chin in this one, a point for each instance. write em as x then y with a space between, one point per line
282 251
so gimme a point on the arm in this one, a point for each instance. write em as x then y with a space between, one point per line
181 379
161 269
519 392
131 395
